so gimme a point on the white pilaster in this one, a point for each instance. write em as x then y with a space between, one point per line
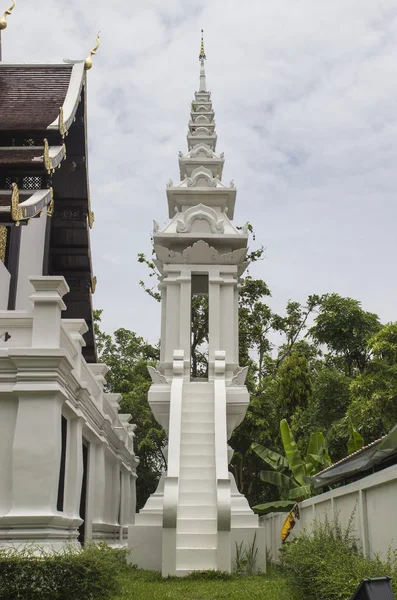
47 308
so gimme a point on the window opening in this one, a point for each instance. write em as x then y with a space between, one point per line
199 339
61 483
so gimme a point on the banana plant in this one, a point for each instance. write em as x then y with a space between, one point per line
356 441
289 472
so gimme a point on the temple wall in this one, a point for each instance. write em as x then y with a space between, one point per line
30 259
366 503
4 286
63 445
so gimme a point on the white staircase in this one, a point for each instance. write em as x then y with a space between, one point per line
196 534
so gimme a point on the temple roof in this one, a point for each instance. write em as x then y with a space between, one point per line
32 95
28 204
44 163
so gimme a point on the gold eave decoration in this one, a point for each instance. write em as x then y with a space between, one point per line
90 219
3 20
51 206
47 160
16 210
88 61
62 127
3 243
93 285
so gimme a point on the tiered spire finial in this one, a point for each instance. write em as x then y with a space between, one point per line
202 57
202 52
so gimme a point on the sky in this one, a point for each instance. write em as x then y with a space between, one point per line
305 96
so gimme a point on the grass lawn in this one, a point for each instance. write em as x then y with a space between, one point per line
147 585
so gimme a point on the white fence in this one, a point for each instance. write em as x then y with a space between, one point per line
372 501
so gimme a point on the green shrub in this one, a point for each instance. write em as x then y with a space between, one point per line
210 574
327 563
91 574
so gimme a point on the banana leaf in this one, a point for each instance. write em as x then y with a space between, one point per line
279 479
295 461
315 449
299 493
273 459
276 506
355 442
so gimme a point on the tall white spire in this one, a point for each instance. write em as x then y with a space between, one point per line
202 58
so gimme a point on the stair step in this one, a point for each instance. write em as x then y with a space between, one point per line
197 486
195 473
198 427
192 497
193 449
196 526
198 438
196 416
195 460
197 541
193 409
197 511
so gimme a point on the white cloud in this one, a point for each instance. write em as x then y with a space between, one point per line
305 95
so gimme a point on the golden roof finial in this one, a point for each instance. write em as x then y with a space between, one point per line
202 52
88 62
3 20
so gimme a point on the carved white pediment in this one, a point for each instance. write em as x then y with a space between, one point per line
201 131
201 108
200 212
201 177
202 150
202 119
200 253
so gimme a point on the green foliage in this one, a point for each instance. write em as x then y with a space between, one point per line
294 459
246 558
289 473
210 575
128 355
328 564
91 574
138 584
294 384
345 328
373 408
355 441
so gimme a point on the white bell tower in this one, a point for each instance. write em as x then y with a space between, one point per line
197 515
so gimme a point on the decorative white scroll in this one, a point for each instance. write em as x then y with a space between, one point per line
240 377
156 376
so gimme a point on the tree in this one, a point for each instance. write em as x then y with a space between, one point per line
128 355
294 384
345 328
373 408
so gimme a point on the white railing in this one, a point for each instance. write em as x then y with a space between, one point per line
223 490
171 483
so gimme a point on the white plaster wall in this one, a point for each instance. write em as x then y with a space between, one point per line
371 501
8 417
30 259
4 286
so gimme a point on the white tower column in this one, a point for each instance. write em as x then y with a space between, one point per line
196 516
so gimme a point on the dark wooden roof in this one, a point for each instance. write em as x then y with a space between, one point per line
30 99
21 156
30 96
